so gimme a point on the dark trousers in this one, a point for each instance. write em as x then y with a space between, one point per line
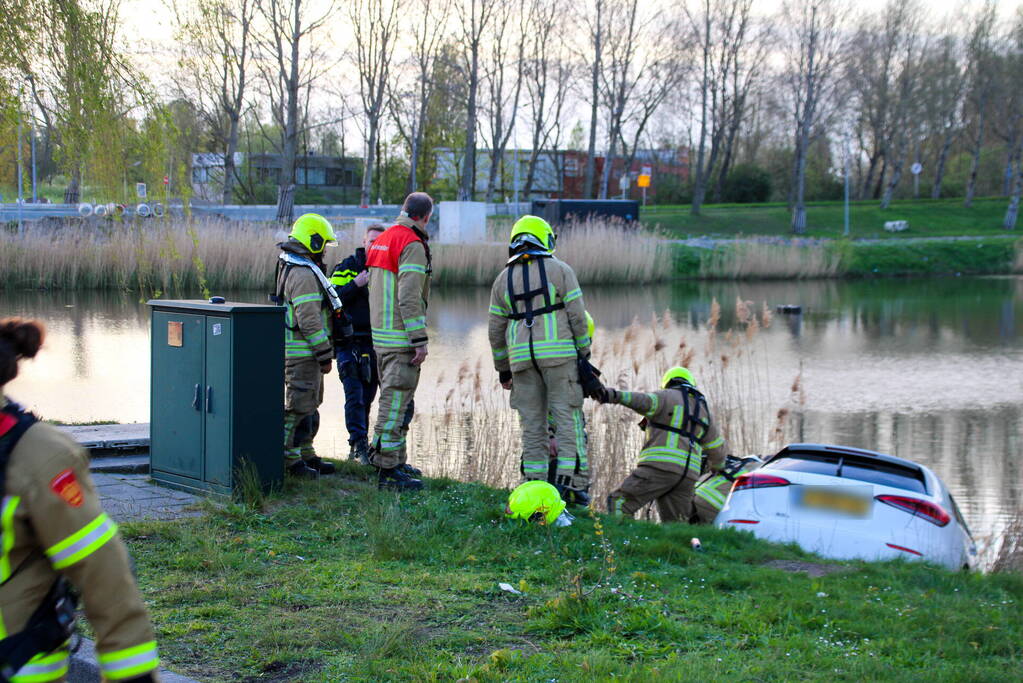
357 368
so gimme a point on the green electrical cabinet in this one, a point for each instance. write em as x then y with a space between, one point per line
216 393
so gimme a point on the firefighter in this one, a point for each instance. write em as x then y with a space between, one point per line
304 290
680 434
55 535
399 289
713 488
356 360
539 340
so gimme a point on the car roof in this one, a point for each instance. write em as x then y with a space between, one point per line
847 450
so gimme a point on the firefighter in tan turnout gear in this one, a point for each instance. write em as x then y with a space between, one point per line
306 293
52 533
679 435
399 289
539 340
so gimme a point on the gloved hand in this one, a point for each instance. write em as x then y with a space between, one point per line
604 395
505 378
589 378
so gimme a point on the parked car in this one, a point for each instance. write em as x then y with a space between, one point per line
850 503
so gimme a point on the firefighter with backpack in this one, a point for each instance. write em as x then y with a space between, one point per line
54 535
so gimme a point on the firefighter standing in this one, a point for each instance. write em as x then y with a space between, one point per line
356 360
308 352
679 434
538 335
399 289
54 531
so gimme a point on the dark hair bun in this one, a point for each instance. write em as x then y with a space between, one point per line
18 339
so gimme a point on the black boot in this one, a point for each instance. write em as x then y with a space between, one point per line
411 471
398 480
300 470
320 465
360 451
572 496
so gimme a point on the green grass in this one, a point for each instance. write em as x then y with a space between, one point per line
336 581
927 218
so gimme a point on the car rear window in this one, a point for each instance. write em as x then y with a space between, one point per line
848 466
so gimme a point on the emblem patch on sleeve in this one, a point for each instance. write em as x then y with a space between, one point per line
66 486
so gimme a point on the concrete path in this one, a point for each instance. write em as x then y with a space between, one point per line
133 497
110 437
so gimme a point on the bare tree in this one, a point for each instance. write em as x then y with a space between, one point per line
473 16
289 71
215 36
723 32
812 70
594 19
409 102
981 88
503 65
375 24
547 76
943 84
1012 100
907 89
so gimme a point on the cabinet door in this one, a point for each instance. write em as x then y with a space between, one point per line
217 400
176 408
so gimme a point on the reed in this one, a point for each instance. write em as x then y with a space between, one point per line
1009 557
759 260
185 256
477 438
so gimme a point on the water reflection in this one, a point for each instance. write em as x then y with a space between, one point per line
926 369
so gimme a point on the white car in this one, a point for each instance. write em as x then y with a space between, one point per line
850 503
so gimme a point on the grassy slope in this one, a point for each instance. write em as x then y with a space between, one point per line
340 582
927 218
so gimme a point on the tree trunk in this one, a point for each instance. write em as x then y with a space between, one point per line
71 193
365 196
889 191
229 168
467 190
971 183
534 157
1012 212
799 209
609 160
939 167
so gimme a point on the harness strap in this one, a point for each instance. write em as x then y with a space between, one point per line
690 421
14 422
527 296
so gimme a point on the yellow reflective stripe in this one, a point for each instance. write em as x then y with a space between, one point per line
7 536
130 662
715 443
306 298
82 543
42 668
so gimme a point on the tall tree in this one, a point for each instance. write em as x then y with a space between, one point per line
594 20
981 86
216 53
814 43
474 16
1013 105
943 85
907 93
290 65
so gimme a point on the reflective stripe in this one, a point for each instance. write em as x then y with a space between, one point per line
583 341
7 535
535 467
82 543
499 354
388 299
708 490
41 668
579 422
669 455
498 311
573 295
412 268
307 298
413 324
130 662
340 278
715 443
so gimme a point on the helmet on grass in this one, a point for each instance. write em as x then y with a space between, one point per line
534 231
535 501
678 374
313 231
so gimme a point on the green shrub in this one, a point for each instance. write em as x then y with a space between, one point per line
747 184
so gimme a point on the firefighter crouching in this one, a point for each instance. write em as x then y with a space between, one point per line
539 340
399 289
306 293
680 433
54 533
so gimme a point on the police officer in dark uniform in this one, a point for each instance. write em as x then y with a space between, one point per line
356 360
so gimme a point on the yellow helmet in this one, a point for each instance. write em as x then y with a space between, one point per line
532 230
591 326
313 232
535 501
676 373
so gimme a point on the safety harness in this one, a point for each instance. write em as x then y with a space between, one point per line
288 261
699 418
53 622
526 296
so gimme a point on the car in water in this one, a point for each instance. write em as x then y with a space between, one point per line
850 503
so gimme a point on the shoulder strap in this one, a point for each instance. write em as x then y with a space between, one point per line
698 419
14 422
526 296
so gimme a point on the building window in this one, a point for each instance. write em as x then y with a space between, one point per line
200 175
311 176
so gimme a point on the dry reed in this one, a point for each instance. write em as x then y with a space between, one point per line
748 260
185 256
477 438
1009 557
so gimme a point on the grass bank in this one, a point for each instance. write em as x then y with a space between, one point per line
927 218
337 581
753 259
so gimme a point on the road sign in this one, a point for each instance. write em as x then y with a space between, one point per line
166 180
623 182
140 190
643 180
647 171
916 168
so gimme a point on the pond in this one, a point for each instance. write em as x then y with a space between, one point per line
926 369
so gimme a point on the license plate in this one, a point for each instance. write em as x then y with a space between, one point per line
847 501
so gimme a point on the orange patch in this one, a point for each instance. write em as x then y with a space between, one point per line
66 486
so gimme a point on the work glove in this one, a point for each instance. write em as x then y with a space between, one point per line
504 376
589 378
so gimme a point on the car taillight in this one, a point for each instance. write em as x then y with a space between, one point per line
918 508
758 480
